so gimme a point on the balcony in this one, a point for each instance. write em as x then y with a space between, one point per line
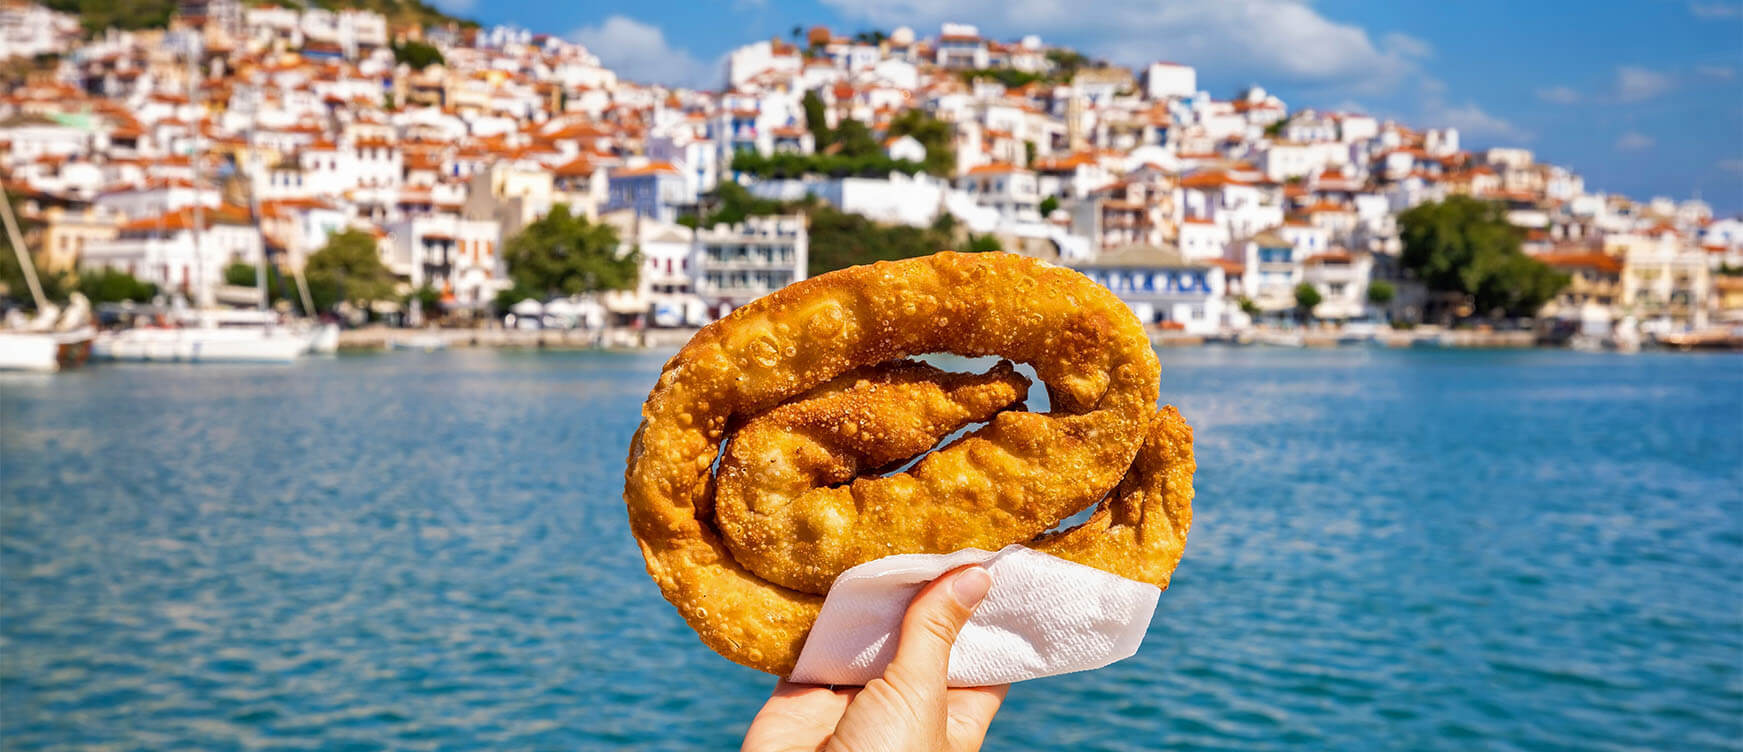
780 261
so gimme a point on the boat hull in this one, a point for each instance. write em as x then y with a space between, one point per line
201 346
324 339
45 352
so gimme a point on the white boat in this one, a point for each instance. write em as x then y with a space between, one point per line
1626 337
44 352
201 345
210 337
52 341
324 339
1280 339
424 342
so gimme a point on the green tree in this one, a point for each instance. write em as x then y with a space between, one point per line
1048 205
853 139
1249 307
734 202
1067 61
417 54
564 254
1381 292
933 134
984 244
841 239
239 274
97 15
113 286
1466 246
816 119
506 299
1306 297
789 165
348 268
1010 78
426 296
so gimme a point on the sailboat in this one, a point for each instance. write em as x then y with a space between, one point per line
51 340
208 334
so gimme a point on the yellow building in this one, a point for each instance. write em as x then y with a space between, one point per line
1595 281
1669 287
1728 298
66 232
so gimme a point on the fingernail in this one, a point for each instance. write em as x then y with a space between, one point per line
971 586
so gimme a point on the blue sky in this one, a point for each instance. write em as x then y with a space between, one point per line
1643 98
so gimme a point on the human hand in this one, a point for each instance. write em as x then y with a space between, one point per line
909 707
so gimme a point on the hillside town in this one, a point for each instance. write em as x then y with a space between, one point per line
250 134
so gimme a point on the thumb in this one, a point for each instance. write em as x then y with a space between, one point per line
934 618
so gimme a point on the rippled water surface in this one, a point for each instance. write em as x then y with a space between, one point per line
1392 550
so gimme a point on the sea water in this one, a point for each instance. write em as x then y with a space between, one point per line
1391 550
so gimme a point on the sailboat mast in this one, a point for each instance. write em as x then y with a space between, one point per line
254 213
23 255
202 291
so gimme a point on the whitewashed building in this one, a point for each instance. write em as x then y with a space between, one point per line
458 257
1010 190
164 251
1341 278
1272 269
664 294
29 29
1164 79
735 264
1162 287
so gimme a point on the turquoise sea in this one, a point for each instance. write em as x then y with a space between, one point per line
1393 550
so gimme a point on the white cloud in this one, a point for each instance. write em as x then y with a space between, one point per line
1267 40
1715 10
1636 84
639 52
1731 165
1350 106
1406 45
1472 121
1721 72
1634 141
1559 94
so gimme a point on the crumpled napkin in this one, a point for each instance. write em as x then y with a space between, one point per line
1044 616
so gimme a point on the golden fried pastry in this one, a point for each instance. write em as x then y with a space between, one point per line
803 382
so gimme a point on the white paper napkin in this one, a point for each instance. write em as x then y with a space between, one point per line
1044 616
